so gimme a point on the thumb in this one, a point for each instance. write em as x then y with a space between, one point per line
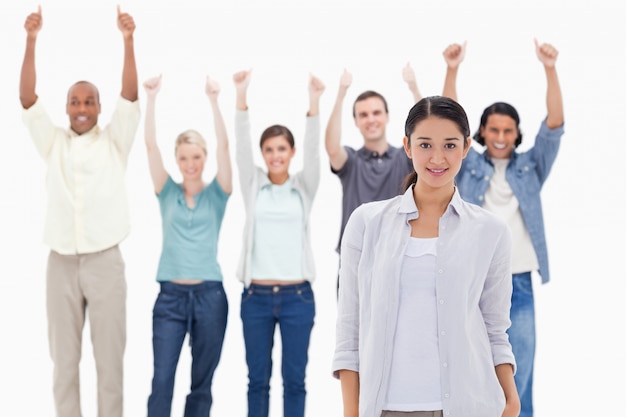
39 9
119 10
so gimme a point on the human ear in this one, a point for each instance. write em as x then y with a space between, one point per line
467 146
407 146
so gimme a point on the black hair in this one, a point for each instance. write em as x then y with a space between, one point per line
498 108
434 106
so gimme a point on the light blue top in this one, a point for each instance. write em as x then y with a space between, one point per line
278 233
526 174
473 289
190 234
252 178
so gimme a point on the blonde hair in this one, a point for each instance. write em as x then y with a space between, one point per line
192 137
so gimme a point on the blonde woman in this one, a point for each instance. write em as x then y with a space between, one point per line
192 298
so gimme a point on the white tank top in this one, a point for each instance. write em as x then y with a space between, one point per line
415 380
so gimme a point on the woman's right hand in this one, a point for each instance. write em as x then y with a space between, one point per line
454 54
152 86
242 79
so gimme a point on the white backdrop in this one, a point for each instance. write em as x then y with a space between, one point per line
580 358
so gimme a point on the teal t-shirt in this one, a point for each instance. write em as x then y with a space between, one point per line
190 235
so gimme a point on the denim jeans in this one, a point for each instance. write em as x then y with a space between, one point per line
200 310
293 308
522 338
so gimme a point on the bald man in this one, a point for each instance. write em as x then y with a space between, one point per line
86 219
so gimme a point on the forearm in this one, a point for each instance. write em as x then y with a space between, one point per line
350 392
155 161
314 106
150 124
504 372
417 96
449 85
554 99
28 76
333 129
241 102
224 170
243 151
219 125
311 159
129 71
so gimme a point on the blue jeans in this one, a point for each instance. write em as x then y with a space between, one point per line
522 338
293 308
200 310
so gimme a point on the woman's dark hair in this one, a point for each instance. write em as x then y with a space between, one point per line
435 106
277 130
499 108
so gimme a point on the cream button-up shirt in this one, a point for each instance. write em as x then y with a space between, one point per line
87 207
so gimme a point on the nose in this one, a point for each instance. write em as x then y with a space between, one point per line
437 156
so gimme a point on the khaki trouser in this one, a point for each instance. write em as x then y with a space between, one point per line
412 414
95 283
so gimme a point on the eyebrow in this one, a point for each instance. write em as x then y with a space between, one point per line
428 138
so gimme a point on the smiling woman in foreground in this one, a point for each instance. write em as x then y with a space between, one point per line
425 290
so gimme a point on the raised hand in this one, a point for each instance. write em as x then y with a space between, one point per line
454 54
345 80
408 75
212 88
546 53
316 87
152 86
125 23
33 23
242 79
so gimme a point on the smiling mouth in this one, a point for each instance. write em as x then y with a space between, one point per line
437 171
499 146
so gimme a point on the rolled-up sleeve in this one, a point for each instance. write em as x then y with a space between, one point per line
347 328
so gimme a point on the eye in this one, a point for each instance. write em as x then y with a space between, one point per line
450 145
424 145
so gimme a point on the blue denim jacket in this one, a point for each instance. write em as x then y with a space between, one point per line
526 174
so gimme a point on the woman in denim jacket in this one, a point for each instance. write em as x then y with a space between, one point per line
509 184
